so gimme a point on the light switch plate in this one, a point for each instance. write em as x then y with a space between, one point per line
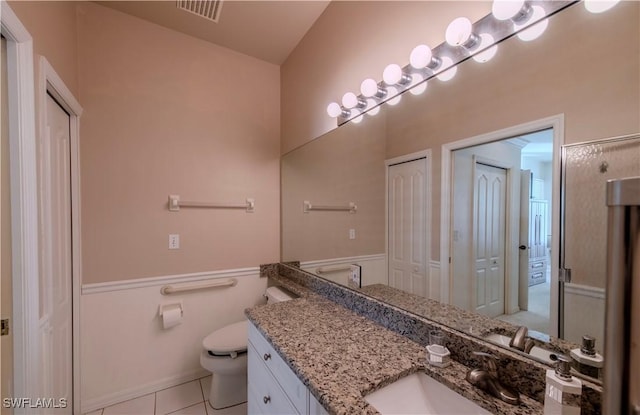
174 241
352 234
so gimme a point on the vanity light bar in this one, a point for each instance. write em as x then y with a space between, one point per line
526 18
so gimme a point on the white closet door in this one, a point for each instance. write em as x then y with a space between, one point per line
56 279
489 233
407 227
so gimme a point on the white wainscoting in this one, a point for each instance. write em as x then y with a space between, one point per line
584 308
374 268
125 352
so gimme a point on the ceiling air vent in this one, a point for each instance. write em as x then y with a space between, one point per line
209 9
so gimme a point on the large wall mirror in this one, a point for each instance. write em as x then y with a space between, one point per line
454 195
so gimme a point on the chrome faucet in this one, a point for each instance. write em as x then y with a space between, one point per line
487 379
519 339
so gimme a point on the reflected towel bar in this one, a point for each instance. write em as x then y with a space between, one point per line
337 268
171 289
175 204
308 206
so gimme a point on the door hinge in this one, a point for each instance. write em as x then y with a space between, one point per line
564 275
4 327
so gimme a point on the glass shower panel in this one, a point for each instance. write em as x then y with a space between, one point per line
586 169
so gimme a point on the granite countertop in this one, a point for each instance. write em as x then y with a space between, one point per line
460 319
341 356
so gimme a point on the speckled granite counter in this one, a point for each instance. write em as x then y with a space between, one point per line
521 373
460 319
341 356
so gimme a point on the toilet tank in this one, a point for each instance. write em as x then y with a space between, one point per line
276 295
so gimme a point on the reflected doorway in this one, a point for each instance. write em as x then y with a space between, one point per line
525 293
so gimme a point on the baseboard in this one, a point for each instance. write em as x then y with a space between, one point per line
141 390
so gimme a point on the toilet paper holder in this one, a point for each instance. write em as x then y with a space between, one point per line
163 307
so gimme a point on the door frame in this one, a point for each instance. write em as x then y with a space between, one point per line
24 204
508 242
426 155
49 82
556 122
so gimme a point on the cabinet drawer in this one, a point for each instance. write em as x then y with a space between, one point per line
266 354
538 265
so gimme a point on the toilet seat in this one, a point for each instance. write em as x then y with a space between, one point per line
230 340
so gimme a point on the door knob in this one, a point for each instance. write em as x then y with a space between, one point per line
522 247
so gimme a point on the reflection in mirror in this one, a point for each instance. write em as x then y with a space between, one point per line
501 233
551 77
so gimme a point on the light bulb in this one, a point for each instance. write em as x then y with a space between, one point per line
420 56
375 108
391 92
486 55
459 31
334 109
395 100
358 118
419 89
536 29
392 74
447 72
349 100
599 6
506 9
369 88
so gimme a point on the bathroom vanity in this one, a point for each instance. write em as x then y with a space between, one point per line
273 388
312 356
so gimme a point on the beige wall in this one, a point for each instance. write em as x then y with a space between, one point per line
52 24
528 81
334 171
351 41
164 114
561 72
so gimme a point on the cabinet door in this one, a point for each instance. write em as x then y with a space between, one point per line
289 381
315 408
265 396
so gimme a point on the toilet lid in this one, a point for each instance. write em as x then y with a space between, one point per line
228 339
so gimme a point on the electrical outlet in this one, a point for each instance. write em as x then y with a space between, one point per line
352 234
174 241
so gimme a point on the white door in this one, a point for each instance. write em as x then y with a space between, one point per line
6 309
489 227
56 279
407 256
523 248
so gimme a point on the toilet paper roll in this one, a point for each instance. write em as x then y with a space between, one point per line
171 316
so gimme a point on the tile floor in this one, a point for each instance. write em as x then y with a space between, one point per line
190 398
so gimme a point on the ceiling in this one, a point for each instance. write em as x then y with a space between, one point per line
265 29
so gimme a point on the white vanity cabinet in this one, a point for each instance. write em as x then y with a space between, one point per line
272 387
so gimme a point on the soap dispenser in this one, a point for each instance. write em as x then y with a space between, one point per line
588 360
563 392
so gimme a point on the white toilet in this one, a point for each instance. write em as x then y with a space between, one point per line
225 355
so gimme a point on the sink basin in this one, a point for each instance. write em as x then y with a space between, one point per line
538 352
421 394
